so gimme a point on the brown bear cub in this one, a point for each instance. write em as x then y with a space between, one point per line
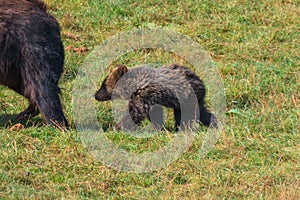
32 57
148 89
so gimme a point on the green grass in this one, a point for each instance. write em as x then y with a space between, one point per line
255 46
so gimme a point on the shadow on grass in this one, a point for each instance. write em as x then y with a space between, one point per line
8 120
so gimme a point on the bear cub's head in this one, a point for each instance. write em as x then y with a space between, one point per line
109 83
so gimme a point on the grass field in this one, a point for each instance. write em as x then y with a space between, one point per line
255 46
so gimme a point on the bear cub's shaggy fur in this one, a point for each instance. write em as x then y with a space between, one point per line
148 89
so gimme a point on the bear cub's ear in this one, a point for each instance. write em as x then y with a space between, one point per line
120 69
117 72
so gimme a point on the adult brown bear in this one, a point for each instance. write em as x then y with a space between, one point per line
32 57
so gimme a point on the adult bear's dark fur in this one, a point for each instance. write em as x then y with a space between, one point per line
175 86
32 57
